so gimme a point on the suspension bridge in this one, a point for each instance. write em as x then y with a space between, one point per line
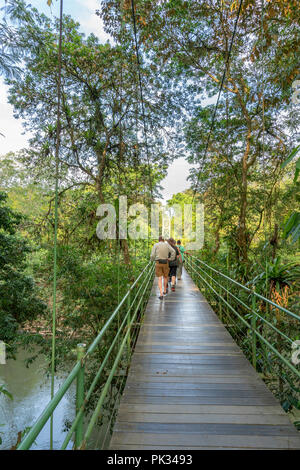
189 384
191 387
195 371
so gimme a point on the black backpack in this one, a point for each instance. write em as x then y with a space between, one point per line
174 262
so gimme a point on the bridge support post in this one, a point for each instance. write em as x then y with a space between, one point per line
192 270
128 323
208 292
253 324
81 349
220 305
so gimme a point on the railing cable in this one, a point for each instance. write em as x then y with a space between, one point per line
219 94
58 130
141 93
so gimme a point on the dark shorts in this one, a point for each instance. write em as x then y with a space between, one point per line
172 271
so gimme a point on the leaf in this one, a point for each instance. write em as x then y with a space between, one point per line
297 171
5 392
49 3
233 6
292 227
295 233
286 406
290 157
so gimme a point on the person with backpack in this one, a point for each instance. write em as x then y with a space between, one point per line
161 252
180 260
173 263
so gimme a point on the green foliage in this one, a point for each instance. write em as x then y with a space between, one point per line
89 287
99 130
6 392
242 177
236 165
291 227
18 294
277 275
290 158
297 424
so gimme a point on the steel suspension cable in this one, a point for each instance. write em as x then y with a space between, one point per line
263 140
119 386
141 93
57 148
219 94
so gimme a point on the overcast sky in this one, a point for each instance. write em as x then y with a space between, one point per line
82 11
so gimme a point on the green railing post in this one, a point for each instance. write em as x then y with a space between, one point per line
128 323
81 349
220 305
211 284
227 283
253 324
192 269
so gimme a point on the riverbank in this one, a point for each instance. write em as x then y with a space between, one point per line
30 388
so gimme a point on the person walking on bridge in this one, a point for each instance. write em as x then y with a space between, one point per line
180 260
174 263
161 252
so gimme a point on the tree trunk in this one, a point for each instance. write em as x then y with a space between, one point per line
125 249
241 233
217 239
242 238
274 242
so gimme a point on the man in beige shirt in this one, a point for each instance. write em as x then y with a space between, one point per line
161 252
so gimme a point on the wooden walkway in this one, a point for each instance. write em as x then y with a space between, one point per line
191 387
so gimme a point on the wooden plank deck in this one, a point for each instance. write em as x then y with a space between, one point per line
191 387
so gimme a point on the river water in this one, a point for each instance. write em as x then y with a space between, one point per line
30 388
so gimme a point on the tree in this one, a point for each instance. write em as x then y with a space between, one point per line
18 294
99 100
192 40
101 121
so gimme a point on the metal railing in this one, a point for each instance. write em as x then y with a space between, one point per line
267 332
134 301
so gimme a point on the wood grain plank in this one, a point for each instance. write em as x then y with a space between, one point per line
190 387
143 417
182 400
192 409
213 441
226 429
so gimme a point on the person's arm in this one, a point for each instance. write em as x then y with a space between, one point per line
171 251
